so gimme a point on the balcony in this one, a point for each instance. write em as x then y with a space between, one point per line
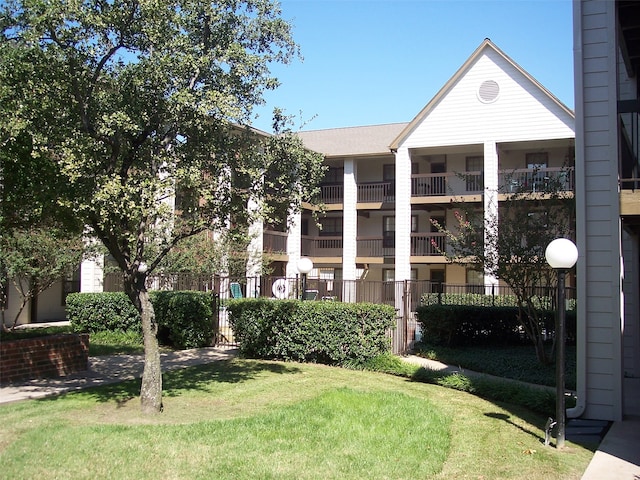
332 194
542 180
446 183
323 246
376 192
274 242
375 247
427 244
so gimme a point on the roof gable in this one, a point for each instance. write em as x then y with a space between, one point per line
490 96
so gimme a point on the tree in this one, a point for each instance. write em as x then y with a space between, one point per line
36 258
135 101
508 243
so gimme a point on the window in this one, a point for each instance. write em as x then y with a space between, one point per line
70 284
331 226
538 160
474 164
475 281
388 232
389 274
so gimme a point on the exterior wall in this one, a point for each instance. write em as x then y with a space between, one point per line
91 275
43 357
598 215
521 112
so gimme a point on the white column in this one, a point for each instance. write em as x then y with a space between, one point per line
256 242
490 199
294 239
403 215
349 230
92 275
350 221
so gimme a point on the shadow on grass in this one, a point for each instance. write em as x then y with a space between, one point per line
181 380
506 418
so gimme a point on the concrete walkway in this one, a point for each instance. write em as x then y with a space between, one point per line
617 458
110 369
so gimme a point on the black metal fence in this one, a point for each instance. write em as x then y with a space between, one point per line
404 296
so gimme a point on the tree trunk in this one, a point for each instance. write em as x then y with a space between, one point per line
151 388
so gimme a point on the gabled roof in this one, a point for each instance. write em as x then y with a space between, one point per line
486 44
352 141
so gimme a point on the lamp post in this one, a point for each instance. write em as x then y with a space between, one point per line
304 265
561 255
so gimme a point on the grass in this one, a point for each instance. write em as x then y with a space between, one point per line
114 343
245 419
518 363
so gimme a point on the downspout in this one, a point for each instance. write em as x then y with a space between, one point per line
581 235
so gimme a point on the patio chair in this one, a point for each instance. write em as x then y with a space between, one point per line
236 291
310 294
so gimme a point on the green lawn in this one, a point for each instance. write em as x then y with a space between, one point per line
245 419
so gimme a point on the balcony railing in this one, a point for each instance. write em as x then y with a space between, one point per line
331 194
447 183
274 242
375 247
542 180
427 244
376 192
323 246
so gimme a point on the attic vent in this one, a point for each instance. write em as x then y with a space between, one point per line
488 91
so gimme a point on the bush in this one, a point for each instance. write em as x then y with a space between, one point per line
460 325
184 318
97 312
322 332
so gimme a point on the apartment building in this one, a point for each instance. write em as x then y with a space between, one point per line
491 128
607 62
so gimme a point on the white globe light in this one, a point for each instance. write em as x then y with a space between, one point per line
305 265
561 253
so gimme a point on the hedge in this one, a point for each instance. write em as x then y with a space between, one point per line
184 318
460 325
331 333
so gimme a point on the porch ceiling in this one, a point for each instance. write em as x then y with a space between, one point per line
629 18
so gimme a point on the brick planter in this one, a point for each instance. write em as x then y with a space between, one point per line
43 357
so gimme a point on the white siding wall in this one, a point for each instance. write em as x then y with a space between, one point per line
521 112
599 271
92 275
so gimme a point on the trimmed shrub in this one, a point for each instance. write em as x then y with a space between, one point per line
97 312
321 332
184 318
460 325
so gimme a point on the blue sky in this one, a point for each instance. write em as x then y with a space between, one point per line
370 62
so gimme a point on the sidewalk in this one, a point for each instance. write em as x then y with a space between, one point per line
110 369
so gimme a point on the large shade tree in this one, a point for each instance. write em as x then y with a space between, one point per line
135 101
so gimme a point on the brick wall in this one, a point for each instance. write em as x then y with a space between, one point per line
43 357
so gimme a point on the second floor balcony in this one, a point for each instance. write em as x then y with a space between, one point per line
451 184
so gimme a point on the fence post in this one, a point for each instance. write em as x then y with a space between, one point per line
406 306
439 293
215 305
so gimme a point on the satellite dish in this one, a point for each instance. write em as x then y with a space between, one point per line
280 288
